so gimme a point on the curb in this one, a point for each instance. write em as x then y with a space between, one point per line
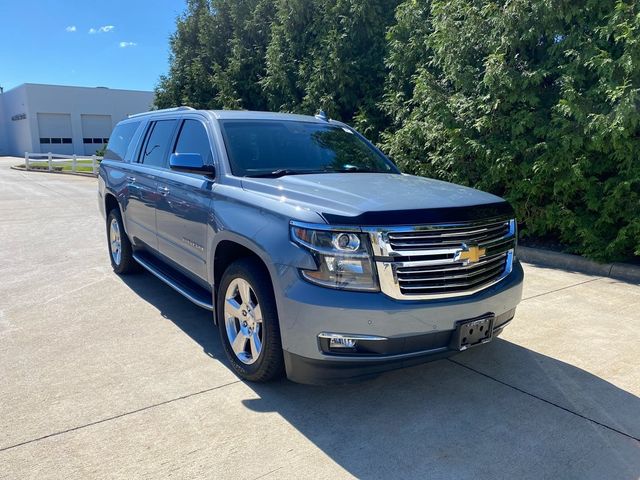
79 174
620 271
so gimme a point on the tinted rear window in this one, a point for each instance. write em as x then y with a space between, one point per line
154 152
120 140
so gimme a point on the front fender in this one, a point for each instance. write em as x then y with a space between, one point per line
269 240
259 224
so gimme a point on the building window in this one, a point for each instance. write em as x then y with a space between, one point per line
105 140
97 140
87 140
65 140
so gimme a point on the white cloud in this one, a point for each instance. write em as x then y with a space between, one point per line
71 28
127 44
103 29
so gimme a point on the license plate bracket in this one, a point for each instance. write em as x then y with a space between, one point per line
469 333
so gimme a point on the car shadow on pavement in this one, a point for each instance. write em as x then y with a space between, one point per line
191 319
509 416
498 411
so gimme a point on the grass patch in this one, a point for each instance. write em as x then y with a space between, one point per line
83 166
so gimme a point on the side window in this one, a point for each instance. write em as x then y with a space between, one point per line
193 139
120 140
155 149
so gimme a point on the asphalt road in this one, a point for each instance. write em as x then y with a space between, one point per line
107 377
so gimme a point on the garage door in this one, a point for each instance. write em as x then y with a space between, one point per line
95 132
55 133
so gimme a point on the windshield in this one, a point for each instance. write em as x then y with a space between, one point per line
284 147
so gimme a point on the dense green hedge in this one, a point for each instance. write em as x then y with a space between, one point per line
537 101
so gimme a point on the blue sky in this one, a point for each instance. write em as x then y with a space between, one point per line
115 43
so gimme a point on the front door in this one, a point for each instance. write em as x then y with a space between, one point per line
182 213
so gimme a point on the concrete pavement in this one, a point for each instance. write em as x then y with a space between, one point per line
108 377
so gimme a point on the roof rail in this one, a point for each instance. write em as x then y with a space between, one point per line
174 109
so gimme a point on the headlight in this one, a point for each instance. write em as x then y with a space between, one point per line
343 259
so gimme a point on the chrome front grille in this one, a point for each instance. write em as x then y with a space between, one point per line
439 261
453 236
427 280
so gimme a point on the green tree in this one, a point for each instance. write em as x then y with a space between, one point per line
238 76
329 55
536 101
347 68
293 37
218 55
194 53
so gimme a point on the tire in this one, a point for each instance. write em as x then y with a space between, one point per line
120 250
247 319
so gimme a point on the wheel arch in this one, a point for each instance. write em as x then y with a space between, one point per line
110 202
231 249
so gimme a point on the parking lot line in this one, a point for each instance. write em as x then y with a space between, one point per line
544 400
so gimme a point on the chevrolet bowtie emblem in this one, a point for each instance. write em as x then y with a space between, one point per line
470 254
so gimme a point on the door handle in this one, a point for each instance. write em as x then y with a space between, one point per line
164 191
131 179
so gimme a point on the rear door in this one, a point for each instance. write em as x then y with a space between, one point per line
143 185
116 164
184 205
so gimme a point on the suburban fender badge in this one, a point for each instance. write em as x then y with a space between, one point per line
193 244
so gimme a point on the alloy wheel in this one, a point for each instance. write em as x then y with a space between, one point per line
243 321
116 241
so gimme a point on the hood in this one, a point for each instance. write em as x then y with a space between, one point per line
379 198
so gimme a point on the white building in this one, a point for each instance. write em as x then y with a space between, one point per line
60 119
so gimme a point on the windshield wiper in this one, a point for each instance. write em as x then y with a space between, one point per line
354 169
281 172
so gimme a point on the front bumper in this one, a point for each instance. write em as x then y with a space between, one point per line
418 331
335 370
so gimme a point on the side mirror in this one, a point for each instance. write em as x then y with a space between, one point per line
190 163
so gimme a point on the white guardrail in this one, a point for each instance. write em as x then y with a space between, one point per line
78 163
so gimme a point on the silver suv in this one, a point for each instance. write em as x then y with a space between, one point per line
316 255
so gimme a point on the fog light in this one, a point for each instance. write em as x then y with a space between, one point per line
349 343
342 342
